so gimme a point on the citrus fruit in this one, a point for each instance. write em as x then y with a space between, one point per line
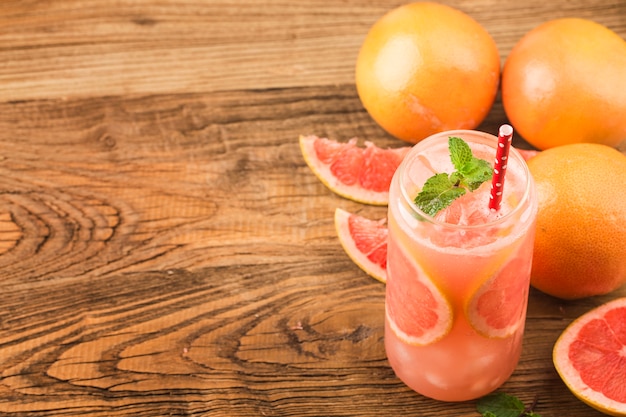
590 357
497 308
563 82
418 312
356 173
365 242
424 68
580 242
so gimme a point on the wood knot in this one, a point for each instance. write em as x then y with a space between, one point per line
108 141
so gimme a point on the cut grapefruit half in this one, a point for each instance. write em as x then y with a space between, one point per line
590 357
498 308
359 174
365 242
417 311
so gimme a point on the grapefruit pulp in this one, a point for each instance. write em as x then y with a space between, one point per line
359 174
418 312
496 309
590 357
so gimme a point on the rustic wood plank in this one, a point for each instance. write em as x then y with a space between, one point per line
165 250
82 48
173 255
190 340
148 183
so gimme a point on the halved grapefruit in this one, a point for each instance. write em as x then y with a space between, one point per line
497 308
353 172
418 312
590 357
365 242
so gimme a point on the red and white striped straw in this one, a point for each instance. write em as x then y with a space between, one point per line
505 136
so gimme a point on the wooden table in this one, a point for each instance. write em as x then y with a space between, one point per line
164 249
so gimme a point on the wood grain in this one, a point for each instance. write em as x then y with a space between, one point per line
138 282
67 48
164 249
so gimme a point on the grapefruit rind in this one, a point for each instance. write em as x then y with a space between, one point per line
349 246
571 376
444 312
355 192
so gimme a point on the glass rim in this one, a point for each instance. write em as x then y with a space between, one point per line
493 142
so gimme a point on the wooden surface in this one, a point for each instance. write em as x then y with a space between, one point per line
165 251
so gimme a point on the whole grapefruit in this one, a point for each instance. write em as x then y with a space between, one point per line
424 68
565 82
580 242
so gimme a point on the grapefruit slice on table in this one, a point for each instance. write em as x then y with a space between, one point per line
365 242
418 312
590 357
359 174
496 309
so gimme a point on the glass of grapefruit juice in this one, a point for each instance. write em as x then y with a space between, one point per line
458 281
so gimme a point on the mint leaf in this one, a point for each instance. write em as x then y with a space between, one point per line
476 172
460 152
503 405
500 405
442 189
438 192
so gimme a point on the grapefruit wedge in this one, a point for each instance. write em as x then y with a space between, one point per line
590 357
365 242
418 312
498 308
359 174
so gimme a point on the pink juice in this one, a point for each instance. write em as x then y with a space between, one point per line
457 285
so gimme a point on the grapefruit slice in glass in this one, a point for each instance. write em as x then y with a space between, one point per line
590 357
418 312
497 308
359 174
365 242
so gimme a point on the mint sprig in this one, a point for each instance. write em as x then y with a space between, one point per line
500 404
442 189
